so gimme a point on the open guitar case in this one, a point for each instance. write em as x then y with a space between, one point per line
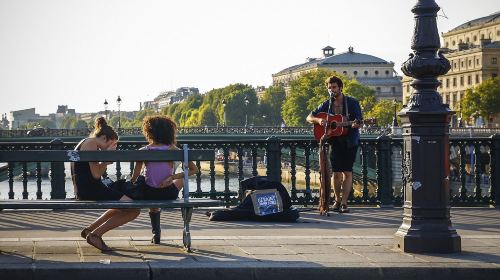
245 210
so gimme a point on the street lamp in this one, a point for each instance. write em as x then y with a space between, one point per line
246 110
119 102
395 117
106 108
224 106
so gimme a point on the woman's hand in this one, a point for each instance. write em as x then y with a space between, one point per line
167 182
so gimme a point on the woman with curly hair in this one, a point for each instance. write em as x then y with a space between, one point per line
88 185
159 181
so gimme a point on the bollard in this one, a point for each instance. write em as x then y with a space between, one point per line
57 176
273 154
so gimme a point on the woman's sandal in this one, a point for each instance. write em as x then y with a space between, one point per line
96 241
85 232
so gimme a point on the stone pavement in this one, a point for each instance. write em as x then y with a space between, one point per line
46 244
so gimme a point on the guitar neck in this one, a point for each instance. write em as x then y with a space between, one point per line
347 123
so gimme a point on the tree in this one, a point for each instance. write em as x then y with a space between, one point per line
383 112
270 106
482 100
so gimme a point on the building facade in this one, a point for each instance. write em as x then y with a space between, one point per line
473 50
369 70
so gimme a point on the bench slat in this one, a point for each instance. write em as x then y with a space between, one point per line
86 156
83 204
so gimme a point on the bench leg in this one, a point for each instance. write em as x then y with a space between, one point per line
187 212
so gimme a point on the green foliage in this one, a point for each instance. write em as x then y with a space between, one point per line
270 106
484 99
383 112
39 123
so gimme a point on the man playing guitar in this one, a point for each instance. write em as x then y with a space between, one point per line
344 147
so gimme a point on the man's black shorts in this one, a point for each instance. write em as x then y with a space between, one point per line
342 155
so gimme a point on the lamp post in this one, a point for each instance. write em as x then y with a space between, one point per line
246 110
395 117
426 225
119 102
224 106
106 108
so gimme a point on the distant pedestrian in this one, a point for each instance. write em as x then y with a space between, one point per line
88 185
159 181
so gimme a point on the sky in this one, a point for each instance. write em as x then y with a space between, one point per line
81 52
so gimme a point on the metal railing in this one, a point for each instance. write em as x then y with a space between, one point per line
377 172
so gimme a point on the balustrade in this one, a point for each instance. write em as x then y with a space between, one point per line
377 172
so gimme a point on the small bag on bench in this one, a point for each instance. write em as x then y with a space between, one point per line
132 190
265 201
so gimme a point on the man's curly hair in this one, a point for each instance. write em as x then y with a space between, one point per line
159 129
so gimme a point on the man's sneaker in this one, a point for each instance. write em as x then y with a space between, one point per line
344 209
336 206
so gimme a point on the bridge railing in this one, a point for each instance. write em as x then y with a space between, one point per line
377 172
240 130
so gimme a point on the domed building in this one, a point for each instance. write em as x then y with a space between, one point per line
369 70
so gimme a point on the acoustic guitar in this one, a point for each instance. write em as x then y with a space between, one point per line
338 125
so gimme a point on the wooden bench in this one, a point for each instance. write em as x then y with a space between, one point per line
186 204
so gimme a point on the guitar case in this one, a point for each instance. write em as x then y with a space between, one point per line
245 210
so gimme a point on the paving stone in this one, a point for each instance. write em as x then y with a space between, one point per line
276 250
112 258
280 258
62 258
253 243
476 242
312 249
392 258
294 241
340 258
367 248
463 257
23 249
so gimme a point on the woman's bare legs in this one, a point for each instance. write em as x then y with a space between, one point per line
113 218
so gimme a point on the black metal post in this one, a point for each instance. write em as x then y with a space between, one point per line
57 176
495 170
384 172
425 120
273 154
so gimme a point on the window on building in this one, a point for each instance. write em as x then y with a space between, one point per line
460 41
408 88
477 61
366 73
447 82
493 60
482 36
477 79
461 80
454 82
498 32
378 89
345 72
454 100
494 75
387 72
469 79
446 45
393 89
453 43
455 65
475 38
462 64
467 40
376 72
447 99
470 62
355 73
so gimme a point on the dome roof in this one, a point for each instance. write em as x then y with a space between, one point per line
478 21
351 57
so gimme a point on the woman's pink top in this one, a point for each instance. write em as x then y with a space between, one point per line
156 172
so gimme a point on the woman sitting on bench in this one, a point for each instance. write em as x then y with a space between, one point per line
159 181
88 185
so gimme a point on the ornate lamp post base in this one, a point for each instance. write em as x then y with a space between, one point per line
426 226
